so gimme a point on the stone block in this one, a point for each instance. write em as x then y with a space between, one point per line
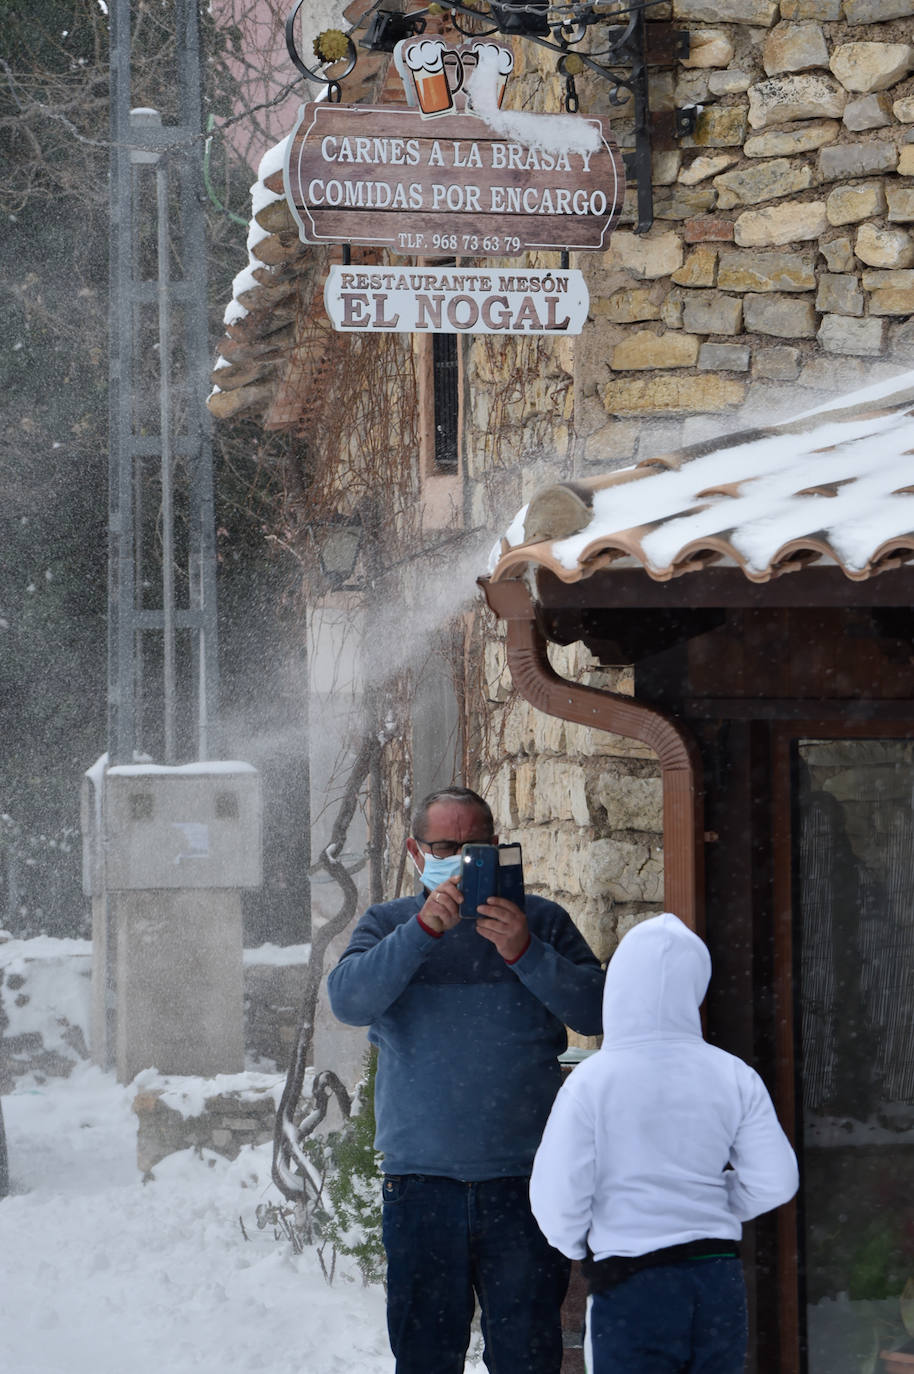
692 88
787 142
722 357
764 181
708 229
784 317
497 677
548 733
710 312
629 803
501 796
760 13
629 307
671 309
665 394
682 202
869 112
525 791
552 859
795 222
626 871
591 743
706 166
517 729
783 99
779 364
906 160
900 280
719 126
645 351
731 82
829 10
708 48
839 294
560 792
659 436
892 302
884 247
699 268
665 166
794 47
647 256
838 254
876 11
903 109
866 67
862 338
833 377
749 271
846 160
901 341
901 203
853 204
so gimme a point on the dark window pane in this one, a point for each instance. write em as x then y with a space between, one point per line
446 397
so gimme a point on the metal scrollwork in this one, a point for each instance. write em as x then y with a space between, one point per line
334 89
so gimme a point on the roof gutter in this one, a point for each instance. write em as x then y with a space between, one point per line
680 762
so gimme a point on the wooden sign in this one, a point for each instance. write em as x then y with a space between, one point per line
455 300
389 177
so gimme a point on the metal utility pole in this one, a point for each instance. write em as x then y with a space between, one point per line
162 645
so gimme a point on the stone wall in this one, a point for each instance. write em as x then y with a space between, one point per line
221 1114
778 273
44 1008
585 805
781 260
780 266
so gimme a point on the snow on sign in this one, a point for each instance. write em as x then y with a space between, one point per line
435 179
456 300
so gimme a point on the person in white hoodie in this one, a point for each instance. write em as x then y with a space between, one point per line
658 1147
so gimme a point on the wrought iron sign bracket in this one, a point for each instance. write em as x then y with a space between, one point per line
623 48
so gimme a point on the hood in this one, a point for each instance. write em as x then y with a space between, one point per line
655 983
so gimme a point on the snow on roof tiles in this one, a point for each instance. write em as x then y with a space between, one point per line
833 485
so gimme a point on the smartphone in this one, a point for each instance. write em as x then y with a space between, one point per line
490 871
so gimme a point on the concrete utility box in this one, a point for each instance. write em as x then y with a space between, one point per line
167 852
194 826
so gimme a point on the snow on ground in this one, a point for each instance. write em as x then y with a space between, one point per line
101 1273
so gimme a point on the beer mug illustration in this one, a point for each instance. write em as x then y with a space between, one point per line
498 61
436 72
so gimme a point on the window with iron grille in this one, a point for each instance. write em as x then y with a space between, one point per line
445 399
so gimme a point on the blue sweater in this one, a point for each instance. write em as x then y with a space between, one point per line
468 1045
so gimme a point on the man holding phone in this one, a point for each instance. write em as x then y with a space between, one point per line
469 1018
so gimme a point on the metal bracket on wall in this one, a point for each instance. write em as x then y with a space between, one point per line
665 127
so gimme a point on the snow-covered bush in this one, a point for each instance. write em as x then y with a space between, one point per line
347 1214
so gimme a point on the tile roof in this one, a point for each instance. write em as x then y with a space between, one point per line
834 486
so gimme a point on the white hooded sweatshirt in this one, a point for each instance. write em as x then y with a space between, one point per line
634 1156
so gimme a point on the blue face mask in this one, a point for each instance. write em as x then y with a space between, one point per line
437 871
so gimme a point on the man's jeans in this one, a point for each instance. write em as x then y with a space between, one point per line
685 1318
445 1241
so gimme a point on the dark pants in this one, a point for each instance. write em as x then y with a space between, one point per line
686 1318
447 1241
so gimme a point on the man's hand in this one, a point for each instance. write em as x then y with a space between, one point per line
506 926
442 907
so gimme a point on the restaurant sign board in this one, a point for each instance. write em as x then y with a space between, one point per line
452 300
391 177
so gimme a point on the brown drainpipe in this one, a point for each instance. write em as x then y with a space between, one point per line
680 763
